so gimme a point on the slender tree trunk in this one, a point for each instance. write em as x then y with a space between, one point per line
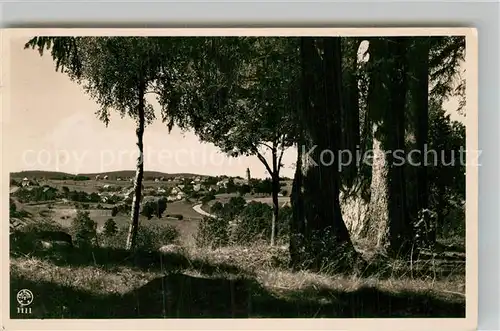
139 174
276 188
297 224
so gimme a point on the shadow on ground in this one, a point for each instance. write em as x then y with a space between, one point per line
112 258
182 296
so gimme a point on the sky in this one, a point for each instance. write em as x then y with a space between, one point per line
51 125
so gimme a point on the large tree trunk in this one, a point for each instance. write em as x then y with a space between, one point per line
388 227
375 231
400 226
328 235
350 127
139 174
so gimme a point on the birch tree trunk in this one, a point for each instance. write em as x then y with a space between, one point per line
139 173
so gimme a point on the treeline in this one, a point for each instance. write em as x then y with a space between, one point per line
261 95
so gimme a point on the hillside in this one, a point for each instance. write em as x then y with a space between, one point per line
110 174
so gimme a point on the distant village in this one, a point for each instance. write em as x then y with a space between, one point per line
112 189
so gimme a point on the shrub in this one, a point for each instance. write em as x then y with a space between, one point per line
254 223
25 238
212 233
12 207
149 237
177 216
216 208
110 228
283 224
154 207
208 197
234 207
84 229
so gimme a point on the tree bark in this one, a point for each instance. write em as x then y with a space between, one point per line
139 174
400 226
389 227
276 187
327 232
350 111
375 231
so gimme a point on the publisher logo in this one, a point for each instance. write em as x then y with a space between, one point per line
24 298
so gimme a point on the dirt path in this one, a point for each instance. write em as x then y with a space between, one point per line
197 208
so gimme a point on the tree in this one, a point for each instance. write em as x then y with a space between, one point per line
118 72
389 227
446 170
84 229
110 228
318 232
245 84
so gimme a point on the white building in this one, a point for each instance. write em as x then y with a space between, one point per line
25 182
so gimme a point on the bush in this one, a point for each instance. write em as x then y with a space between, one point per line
212 233
154 207
208 197
84 229
254 223
149 237
244 189
110 228
216 208
26 238
177 216
234 207
12 207
284 220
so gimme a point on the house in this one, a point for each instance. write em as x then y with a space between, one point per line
222 183
25 182
197 187
197 179
181 187
157 180
161 190
97 177
106 177
106 186
175 190
118 179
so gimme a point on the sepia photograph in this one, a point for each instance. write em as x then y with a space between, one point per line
228 176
